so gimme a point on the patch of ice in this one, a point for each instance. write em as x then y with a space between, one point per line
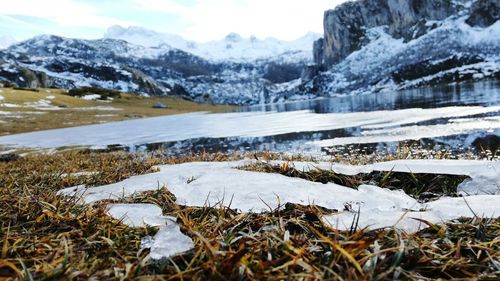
168 241
199 184
249 124
138 215
50 97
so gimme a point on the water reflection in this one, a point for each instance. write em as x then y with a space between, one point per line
483 93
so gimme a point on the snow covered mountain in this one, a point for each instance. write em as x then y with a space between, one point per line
404 44
368 45
53 61
232 48
6 41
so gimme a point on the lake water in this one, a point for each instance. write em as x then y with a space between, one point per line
465 116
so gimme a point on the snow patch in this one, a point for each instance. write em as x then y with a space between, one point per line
91 97
220 184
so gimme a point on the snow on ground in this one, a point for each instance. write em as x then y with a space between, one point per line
105 115
249 124
43 104
10 105
18 114
1 97
168 241
220 184
101 108
91 97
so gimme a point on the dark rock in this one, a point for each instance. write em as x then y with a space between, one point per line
282 72
318 51
310 71
159 105
428 67
484 13
489 142
104 93
9 157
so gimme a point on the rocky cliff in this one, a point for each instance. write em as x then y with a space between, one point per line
345 27
395 44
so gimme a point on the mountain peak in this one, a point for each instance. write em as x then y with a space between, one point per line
233 37
232 47
6 41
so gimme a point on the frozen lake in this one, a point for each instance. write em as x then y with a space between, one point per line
466 115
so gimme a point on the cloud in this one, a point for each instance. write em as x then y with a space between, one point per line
213 19
67 13
200 20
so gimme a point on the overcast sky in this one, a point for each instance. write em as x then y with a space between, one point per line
200 20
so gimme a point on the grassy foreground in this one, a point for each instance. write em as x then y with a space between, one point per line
45 237
69 111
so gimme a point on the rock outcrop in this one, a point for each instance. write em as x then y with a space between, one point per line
376 45
345 26
484 13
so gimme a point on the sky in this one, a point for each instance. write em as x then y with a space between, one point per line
198 20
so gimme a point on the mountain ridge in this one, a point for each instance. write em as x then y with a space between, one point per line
368 46
233 47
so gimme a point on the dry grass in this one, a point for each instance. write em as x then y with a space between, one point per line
420 186
45 237
71 113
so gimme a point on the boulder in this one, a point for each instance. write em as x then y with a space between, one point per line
484 13
159 105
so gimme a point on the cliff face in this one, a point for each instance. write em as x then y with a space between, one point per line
377 45
345 27
484 13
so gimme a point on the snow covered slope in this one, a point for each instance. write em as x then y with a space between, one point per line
6 41
232 48
53 61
